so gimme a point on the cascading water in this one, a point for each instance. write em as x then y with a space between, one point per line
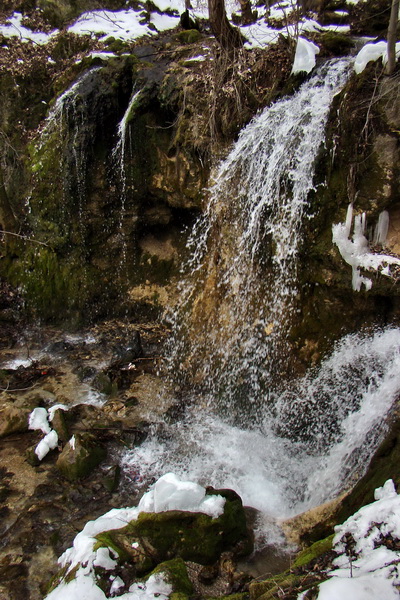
68 126
310 436
119 157
239 295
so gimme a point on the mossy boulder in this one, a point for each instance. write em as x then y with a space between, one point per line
80 456
175 573
59 424
197 537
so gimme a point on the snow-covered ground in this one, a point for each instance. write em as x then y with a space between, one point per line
131 24
367 567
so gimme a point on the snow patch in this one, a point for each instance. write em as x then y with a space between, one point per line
49 442
38 420
14 28
371 52
53 409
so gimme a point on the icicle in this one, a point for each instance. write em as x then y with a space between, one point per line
381 229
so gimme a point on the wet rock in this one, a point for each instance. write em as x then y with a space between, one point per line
102 382
59 347
80 456
111 479
131 351
175 572
59 423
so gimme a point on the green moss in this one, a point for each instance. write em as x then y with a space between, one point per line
62 576
77 463
266 589
176 574
189 36
190 536
314 551
106 540
56 289
336 44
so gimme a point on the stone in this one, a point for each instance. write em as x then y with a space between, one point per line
133 349
155 537
59 423
175 573
13 419
79 458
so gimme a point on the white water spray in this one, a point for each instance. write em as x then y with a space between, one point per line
315 435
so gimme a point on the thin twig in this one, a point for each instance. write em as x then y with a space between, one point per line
24 237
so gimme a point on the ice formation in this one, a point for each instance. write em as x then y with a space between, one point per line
356 251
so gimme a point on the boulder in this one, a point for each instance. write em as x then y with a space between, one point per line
80 456
192 536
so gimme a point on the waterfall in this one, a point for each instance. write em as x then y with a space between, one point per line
308 437
239 290
119 157
68 128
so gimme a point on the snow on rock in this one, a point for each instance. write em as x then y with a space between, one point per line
368 568
104 560
168 493
371 52
38 419
356 251
54 408
304 59
49 442
14 28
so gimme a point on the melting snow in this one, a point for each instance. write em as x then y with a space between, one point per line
14 28
38 420
371 52
372 571
49 442
304 59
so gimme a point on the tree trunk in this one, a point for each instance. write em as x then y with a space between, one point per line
229 37
392 38
246 12
7 218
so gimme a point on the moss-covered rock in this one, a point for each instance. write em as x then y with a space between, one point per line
156 537
80 457
175 572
